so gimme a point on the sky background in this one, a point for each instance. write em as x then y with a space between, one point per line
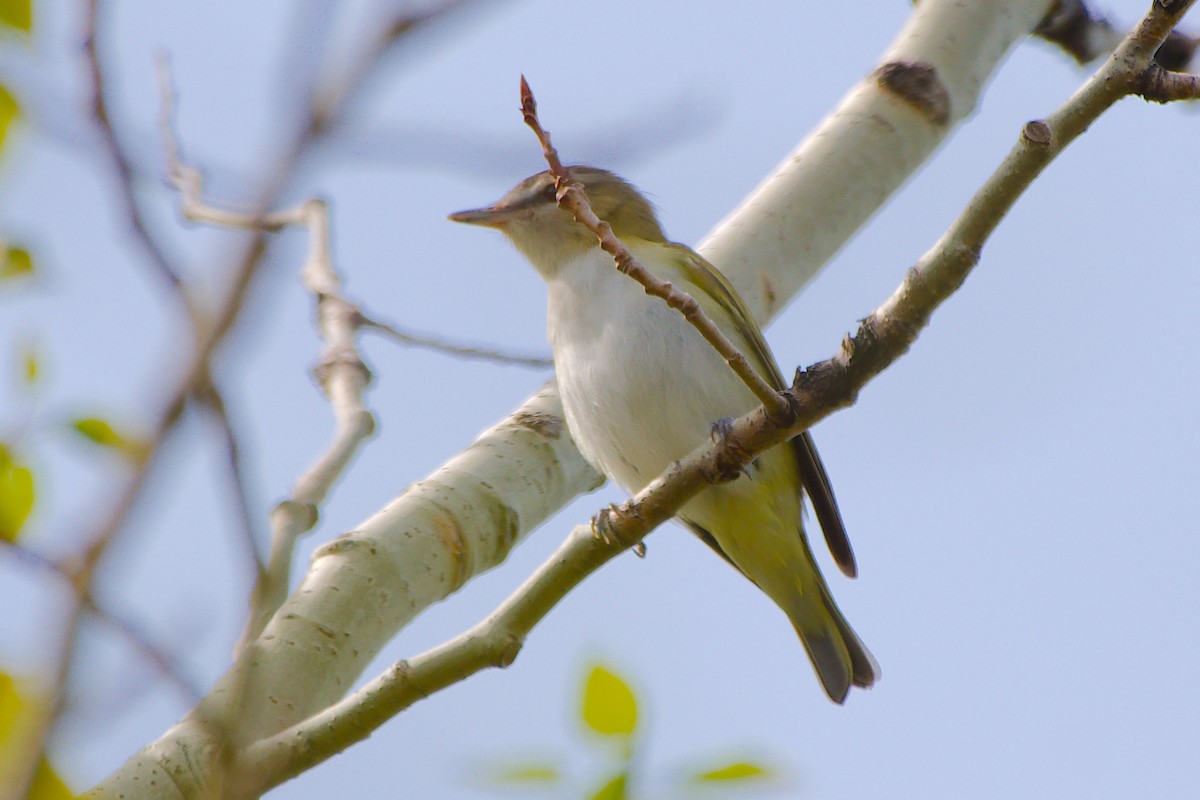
1020 488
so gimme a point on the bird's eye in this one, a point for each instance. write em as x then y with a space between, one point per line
548 193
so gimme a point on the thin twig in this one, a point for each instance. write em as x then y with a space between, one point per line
572 197
344 377
189 182
330 100
1086 34
127 193
1159 85
214 402
451 348
819 391
83 600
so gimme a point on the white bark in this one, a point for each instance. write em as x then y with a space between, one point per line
777 240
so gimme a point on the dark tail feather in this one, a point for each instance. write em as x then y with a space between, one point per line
840 658
816 483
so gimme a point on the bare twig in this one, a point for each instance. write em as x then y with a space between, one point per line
83 601
342 373
1159 85
214 402
328 102
451 348
817 392
572 197
128 194
344 377
1087 34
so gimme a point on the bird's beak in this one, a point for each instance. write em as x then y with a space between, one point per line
490 217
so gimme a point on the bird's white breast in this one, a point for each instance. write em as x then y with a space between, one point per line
640 387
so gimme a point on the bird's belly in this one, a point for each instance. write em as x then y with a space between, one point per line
635 393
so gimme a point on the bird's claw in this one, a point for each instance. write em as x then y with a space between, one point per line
721 432
722 429
604 522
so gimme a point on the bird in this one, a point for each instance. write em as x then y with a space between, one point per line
641 388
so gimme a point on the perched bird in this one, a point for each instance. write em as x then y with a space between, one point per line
642 388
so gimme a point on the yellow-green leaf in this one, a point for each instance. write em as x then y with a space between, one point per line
616 788
737 771
18 713
16 495
17 14
609 707
526 773
31 364
47 785
15 262
10 109
100 431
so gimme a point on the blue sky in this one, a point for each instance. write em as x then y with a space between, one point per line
1018 488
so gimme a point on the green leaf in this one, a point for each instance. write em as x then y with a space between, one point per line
17 14
18 711
609 707
15 262
47 785
31 364
737 771
616 788
101 432
531 773
16 495
10 109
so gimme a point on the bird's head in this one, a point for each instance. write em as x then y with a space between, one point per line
547 235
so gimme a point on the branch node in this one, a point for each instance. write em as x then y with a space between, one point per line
917 84
1038 133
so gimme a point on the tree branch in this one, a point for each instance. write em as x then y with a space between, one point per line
120 162
1087 34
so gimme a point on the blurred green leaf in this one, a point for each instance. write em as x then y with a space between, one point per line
542 774
16 495
17 712
737 771
31 363
609 707
15 262
100 431
615 788
10 109
47 785
17 14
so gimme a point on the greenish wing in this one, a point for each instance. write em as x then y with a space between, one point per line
718 287
813 476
